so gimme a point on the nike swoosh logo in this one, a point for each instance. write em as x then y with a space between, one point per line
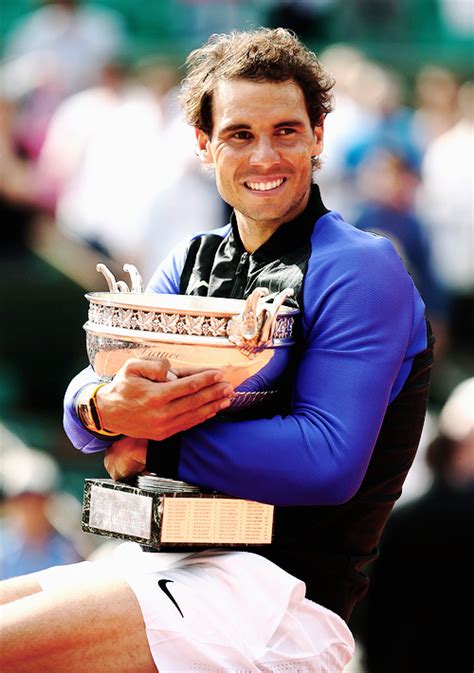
162 584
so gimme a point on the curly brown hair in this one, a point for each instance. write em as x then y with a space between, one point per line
262 55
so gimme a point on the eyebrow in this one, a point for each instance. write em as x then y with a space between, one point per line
234 127
290 122
246 127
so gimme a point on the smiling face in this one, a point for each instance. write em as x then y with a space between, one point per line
261 148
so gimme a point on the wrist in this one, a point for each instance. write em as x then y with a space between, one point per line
87 410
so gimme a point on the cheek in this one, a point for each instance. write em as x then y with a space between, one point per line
299 155
227 165
224 184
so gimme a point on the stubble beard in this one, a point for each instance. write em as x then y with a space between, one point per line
293 210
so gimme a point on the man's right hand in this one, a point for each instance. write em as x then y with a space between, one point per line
142 402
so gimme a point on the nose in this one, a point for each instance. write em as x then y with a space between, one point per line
264 153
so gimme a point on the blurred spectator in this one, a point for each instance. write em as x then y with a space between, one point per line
75 123
372 116
422 583
447 196
446 204
65 41
388 182
119 187
436 99
351 113
56 50
115 164
29 481
102 184
382 92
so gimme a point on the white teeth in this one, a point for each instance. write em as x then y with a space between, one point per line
265 186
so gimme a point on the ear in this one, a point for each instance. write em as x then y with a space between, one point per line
318 144
203 146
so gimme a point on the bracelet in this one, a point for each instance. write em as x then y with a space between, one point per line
88 412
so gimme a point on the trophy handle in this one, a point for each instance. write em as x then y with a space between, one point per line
250 314
120 285
135 278
253 329
269 323
109 277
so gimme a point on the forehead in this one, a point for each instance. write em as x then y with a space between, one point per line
248 102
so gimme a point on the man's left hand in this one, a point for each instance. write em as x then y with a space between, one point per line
126 457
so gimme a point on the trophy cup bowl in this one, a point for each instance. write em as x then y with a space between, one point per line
250 341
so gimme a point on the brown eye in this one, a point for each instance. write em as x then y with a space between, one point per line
241 135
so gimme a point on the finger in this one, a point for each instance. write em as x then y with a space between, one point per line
189 370
148 368
190 385
203 413
219 392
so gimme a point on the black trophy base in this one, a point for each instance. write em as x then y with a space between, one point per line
171 515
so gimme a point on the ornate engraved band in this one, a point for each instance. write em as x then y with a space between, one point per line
162 322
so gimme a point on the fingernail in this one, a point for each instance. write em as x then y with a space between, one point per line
225 404
228 391
171 376
218 377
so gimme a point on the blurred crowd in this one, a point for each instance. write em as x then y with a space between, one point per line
97 162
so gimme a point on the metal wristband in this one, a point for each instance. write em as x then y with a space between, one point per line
88 412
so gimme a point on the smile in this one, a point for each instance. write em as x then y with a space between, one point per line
265 186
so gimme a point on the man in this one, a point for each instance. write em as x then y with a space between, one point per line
332 453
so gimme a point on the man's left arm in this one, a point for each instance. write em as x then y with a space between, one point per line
358 335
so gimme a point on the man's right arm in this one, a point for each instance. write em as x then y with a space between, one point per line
141 402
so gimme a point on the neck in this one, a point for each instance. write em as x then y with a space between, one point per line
254 233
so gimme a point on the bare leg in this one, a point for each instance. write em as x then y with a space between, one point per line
96 628
18 587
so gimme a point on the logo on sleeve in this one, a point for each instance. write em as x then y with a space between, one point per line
162 584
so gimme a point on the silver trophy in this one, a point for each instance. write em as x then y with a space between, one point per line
250 341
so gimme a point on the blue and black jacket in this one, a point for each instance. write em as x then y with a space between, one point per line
333 451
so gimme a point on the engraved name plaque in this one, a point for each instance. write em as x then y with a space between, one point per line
173 515
120 512
216 520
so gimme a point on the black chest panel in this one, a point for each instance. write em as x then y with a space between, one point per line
217 267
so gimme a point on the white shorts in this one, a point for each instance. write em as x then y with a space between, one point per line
221 612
